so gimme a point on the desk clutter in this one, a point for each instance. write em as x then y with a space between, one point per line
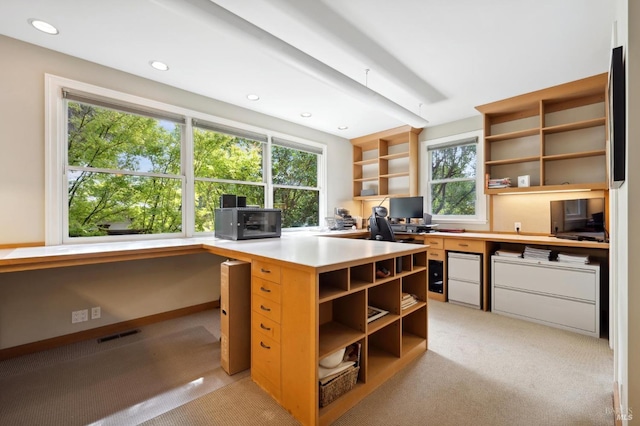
338 373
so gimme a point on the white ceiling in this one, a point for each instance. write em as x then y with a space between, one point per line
448 55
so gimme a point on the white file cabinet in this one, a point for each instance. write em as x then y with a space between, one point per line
464 278
559 294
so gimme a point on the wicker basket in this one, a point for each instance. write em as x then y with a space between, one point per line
343 383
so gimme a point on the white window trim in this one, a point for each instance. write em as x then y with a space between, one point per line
55 159
481 199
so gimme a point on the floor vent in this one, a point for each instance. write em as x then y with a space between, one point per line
118 335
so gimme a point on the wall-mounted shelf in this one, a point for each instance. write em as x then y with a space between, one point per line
386 163
557 136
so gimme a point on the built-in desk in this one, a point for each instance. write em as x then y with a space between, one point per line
324 287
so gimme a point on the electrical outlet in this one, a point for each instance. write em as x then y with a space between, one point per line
517 226
79 316
95 312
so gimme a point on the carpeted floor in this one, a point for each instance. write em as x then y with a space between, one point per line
481 369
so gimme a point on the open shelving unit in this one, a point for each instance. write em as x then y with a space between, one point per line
386 163
388 342
556 136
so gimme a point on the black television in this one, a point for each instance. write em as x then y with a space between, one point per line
617 118
406 208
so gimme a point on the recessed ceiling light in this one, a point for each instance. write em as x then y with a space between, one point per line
343 127
253 97
45 27
305 114
160 66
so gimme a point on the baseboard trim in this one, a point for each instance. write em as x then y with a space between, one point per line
106 330
617 408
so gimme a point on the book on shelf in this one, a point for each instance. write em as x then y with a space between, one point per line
499 183
374 313
408 300
573 258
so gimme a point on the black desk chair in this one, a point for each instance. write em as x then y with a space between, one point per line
379 226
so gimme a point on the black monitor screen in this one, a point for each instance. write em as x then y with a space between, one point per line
406 208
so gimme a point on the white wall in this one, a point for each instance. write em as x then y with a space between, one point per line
37 305
625 269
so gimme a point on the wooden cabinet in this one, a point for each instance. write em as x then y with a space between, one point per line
556 136
559 294
265 327
386 163
388 342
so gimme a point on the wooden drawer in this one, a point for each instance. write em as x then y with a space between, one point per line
434 243
265 326
265 358
265 288
265 270
435 254
266 307
461 244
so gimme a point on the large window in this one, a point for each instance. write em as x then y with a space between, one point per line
454 185
134 168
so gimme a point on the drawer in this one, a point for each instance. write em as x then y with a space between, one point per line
266 385
465 267
435 254
267 289
553 311
266 326
546 278
460 244
434 243
266 307
464 292
266 270
265 358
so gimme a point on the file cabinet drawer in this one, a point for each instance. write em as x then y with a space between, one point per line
266 307
265 326
267 289
473 246
265 270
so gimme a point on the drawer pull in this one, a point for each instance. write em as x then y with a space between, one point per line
264 308
435 255
265 271
433 242
463 245
266 290
265 346
264 327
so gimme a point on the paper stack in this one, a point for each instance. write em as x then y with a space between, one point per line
573 258
408 300
508 253
536 254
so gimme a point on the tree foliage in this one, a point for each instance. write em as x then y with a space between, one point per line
112 153
453 187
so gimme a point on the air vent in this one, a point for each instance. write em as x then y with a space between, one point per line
118 335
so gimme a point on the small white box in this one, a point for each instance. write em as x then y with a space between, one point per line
523 181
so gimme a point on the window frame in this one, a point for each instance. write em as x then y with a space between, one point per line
56 192
426 148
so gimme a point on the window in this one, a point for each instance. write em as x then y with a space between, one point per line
294 171
453 185
134 168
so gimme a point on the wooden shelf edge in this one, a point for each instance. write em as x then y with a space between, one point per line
513 135
585 124
549 188
512 161
571 156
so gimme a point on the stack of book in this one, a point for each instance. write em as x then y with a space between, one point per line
374 313
573 258
408 300
537 254
499 183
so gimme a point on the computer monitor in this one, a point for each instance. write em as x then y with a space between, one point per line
406 208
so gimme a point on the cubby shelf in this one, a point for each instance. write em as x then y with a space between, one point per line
387 342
